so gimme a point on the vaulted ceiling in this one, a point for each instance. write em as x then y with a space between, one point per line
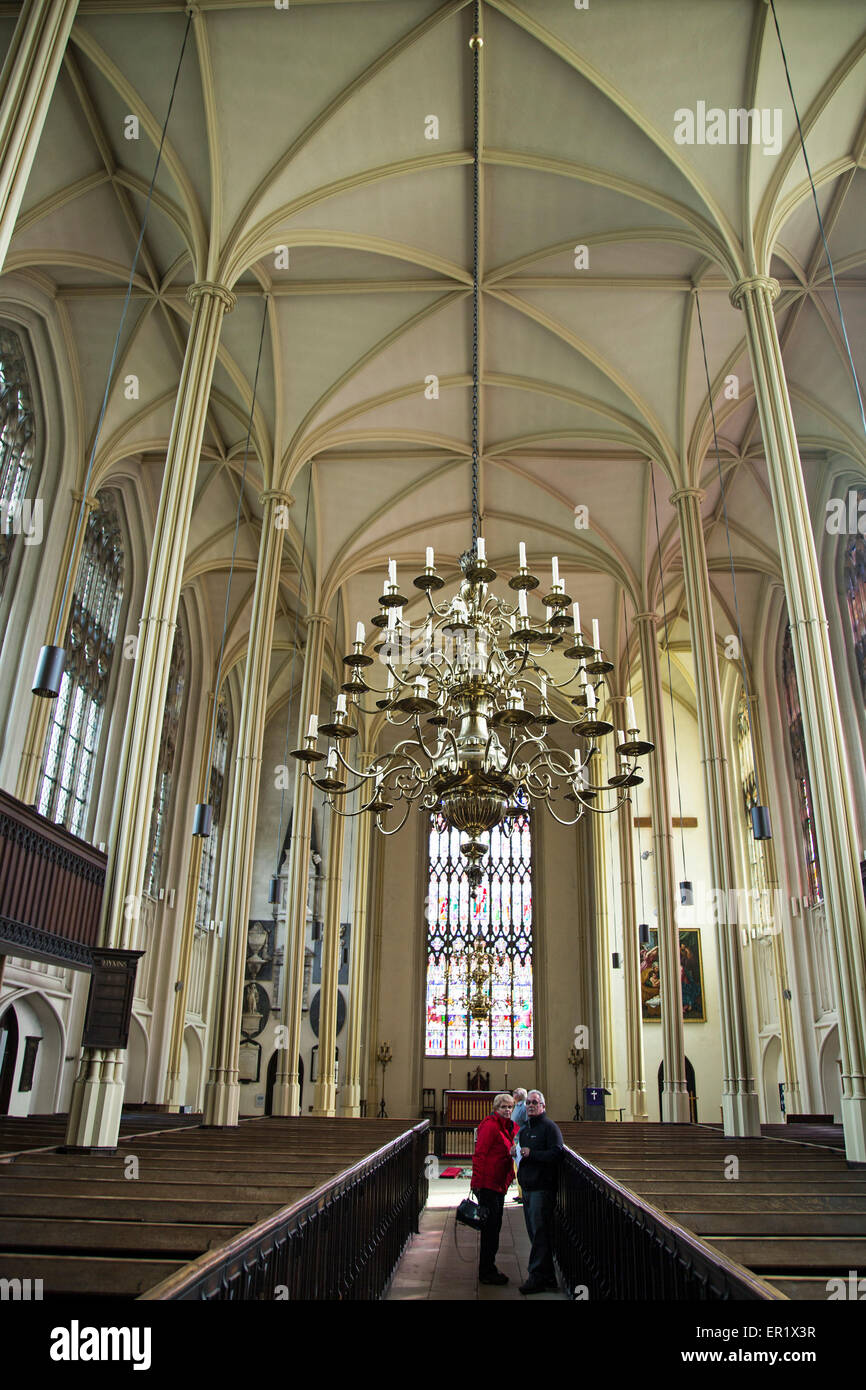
301 169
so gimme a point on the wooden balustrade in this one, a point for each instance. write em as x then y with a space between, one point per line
51 887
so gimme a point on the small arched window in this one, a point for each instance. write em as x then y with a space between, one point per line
165 768
210 844
16 448
77 713
794 716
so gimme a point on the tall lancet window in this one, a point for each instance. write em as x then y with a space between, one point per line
749 788
77 714
167 748
479 954
801 771
210 845
16 446
854 574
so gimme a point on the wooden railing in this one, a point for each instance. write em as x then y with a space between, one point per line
616 1246
452 1141
343 1241
51 887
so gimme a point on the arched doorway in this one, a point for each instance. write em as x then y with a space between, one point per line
271 1080
9 1051
690 1086
190 1069
136 1064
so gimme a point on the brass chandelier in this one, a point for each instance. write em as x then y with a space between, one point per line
474 673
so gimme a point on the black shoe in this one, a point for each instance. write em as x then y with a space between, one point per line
531 1286
497 1277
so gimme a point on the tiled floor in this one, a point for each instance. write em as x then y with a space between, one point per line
435 1267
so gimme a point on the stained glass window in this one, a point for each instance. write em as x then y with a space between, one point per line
16 445
479 952
210 844
76 715
167 747
801 771
748 783
855 596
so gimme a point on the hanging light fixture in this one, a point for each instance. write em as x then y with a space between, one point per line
478 679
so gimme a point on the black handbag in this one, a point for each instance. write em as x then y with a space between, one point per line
470 1214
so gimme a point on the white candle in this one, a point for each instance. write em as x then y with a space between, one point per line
554 567
429 561
575 613
313 726
523 555
577 758
550 613
421 687
590 697
360 633
620 736
479 548
596 640
391 681
630 720
332 760
581 676
341 704
521 604
512 623
392 572
544 688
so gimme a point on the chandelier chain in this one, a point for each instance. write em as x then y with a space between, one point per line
476 181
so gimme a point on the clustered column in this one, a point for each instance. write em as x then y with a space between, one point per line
325 1098
675 1096
26 85
351 1102
97 1095
635 1084
222 1093
739 1101
603 957
831 781
287 1088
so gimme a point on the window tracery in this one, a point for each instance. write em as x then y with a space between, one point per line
16 443
797 741
167 748
74 732
210 844
479 952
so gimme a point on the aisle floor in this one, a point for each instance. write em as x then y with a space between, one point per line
435 1267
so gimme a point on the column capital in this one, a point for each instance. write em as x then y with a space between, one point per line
275 494
682 492
750 285
89 502
216 291
318 618
646 618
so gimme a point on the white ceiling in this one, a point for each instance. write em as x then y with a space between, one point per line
305 128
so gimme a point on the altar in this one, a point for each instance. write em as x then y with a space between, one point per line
466 1107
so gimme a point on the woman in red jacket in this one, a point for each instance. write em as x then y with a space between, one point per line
492 1172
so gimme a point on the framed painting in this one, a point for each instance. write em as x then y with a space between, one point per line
691 977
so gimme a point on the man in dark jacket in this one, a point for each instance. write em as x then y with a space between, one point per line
540 1144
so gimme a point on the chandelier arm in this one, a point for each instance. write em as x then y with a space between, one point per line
397 828
559 818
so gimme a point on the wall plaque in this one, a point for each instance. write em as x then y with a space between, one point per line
109 1003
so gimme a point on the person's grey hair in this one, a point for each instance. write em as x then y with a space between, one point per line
533 1092
519 1094
503 1095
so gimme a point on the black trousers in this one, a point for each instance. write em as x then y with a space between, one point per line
493 1203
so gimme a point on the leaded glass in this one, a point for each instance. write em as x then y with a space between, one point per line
73 735
479 951
749 787
801 771
16 443
165 766
211 842
855 596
